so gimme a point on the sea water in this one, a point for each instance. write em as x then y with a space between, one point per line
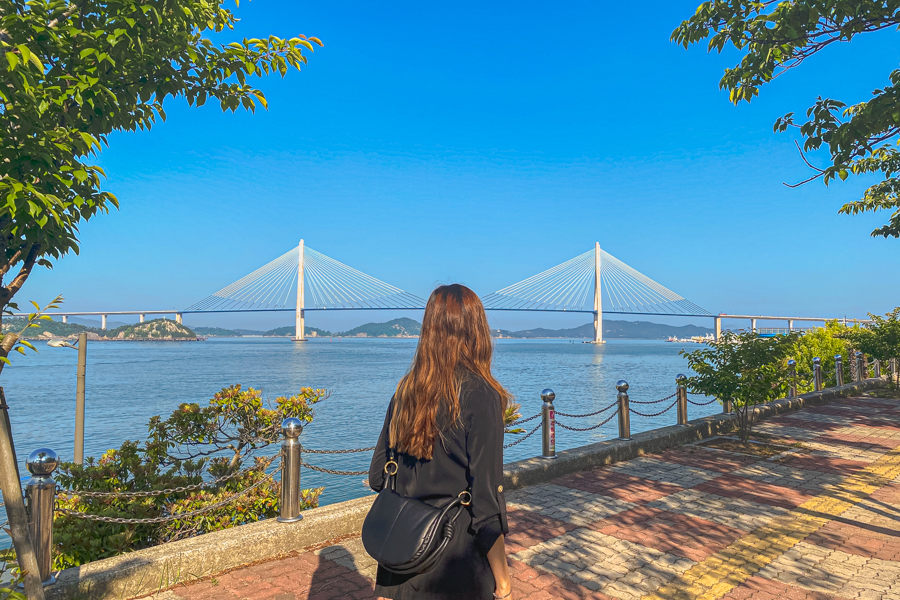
129 382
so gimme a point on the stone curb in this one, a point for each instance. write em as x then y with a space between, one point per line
146 571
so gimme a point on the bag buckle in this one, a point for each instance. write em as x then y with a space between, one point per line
467 493
388 464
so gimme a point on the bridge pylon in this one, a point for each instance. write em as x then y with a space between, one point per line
299 333
598 298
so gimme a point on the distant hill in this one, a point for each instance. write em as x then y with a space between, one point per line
635 330
157 329
45 328
290 330
405 327
216 332
402 327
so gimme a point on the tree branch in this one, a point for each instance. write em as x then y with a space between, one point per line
6 293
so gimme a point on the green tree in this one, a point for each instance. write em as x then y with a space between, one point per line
71 74
216 440
824 343
774 37
879 339
744 368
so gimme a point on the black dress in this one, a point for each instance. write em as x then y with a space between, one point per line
469 455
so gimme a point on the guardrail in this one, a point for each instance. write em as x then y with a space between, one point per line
41 490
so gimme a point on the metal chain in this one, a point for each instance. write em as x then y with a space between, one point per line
562 414
524 437
630 401
332 471
173 517
351 451
166 492
665 410
702 403
520 421
608 419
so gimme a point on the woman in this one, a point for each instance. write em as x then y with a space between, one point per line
445 423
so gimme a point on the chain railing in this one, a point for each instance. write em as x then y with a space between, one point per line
173 516
167 491
526 436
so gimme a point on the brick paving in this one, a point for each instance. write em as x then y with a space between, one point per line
819 522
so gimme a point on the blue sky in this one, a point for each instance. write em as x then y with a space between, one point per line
482 143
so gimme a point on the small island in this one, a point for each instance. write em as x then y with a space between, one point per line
156 330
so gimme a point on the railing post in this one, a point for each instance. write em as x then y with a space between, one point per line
681 395
817 374
40 501
624 411
877 368
290 471
548 416
838 370
861 367
792 367
893 369
727 407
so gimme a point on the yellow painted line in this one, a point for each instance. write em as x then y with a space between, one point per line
738 562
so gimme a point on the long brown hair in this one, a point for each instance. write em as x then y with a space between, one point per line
455 338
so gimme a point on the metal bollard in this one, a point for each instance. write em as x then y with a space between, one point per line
838 370
817 374
40 500
792 366
877 368
624 411
548 415
861 367
290 471
681 395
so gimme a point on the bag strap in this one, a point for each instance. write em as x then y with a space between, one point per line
391 480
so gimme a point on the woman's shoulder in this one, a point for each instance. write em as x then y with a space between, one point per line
476 395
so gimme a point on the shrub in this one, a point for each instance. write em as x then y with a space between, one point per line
879 339
744 368
194 444
822 342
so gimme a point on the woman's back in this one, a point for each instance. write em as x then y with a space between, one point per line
444 428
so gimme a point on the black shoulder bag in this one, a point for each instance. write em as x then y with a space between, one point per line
406 535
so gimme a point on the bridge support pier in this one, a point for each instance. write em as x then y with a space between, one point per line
299 333
65 318
103 322
142 317
753 325
179 319
717 327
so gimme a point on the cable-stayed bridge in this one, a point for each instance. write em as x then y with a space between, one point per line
303 279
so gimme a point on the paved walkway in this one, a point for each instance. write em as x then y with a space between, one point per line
820 522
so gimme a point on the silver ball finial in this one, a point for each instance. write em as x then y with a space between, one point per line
837 357
792 363
292 427
548 396
680 378
622 385
817 361
42 462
